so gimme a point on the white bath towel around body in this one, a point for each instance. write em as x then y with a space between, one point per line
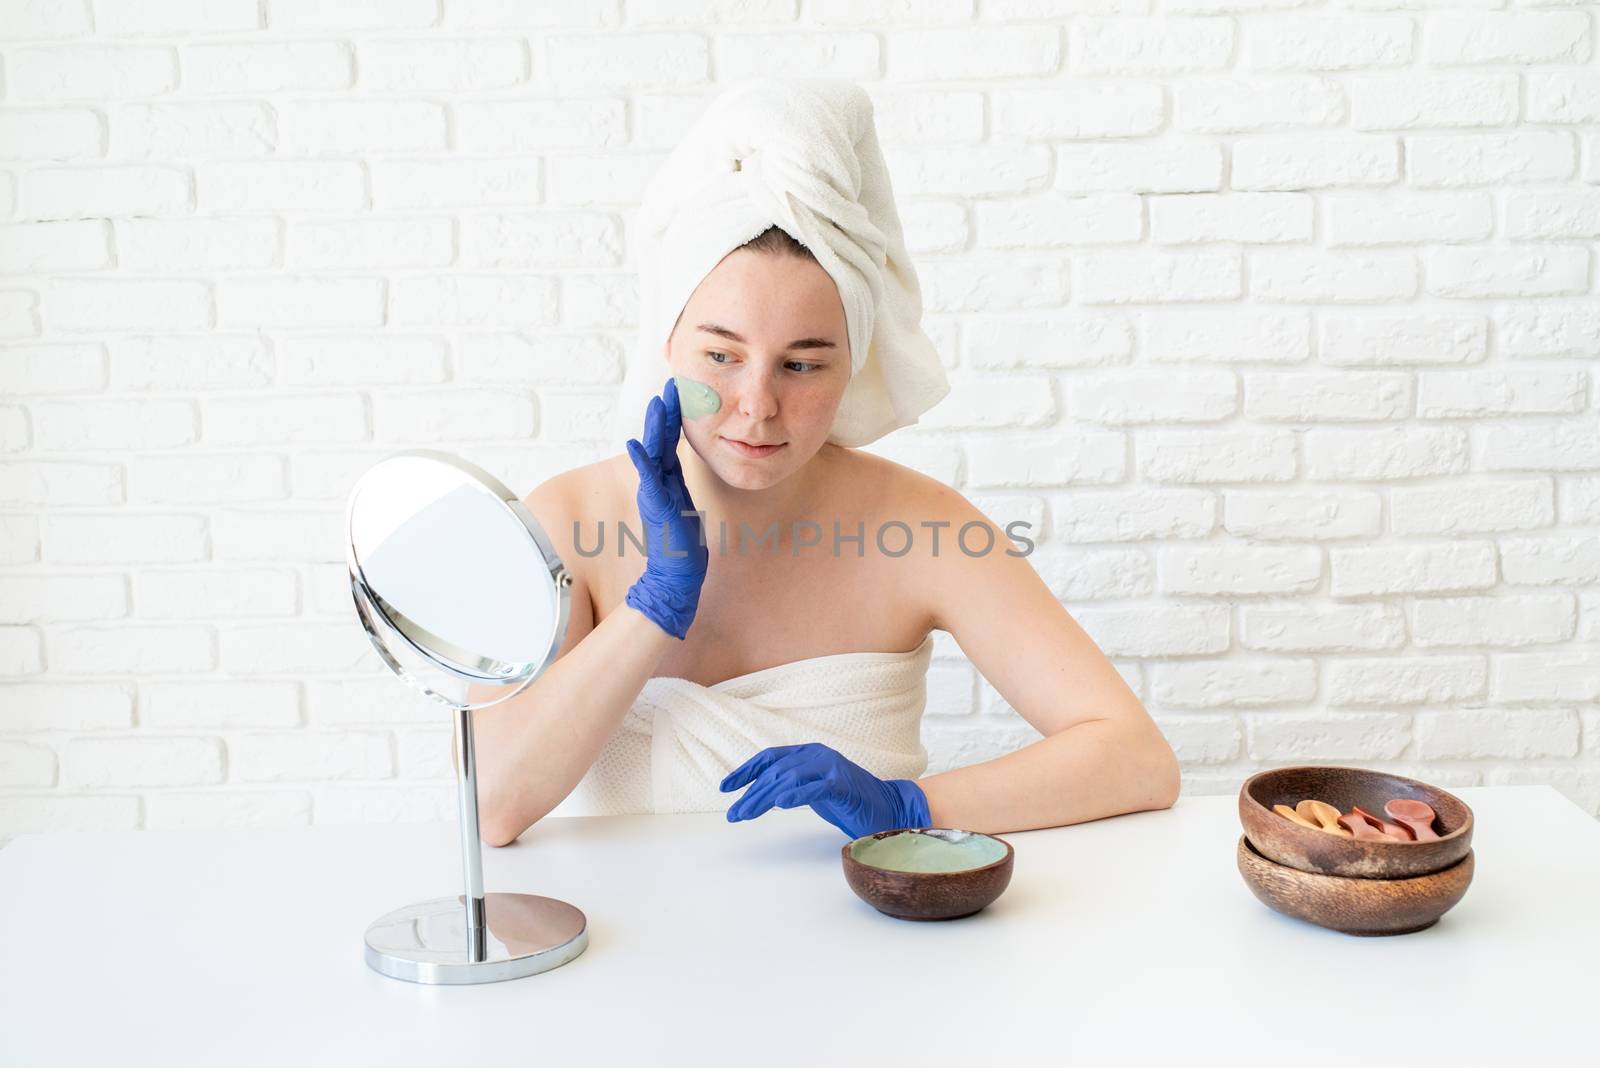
679 739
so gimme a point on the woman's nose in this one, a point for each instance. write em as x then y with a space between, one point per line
757 399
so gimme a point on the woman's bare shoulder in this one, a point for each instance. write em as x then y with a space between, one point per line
904 492
582 490
585 495
580 498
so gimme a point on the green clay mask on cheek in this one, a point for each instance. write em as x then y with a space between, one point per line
696 398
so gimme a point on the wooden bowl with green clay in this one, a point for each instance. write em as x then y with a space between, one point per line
928 873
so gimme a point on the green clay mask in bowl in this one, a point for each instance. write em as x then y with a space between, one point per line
931 850
696 398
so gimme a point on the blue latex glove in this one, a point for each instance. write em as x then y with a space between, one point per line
845 794
676 557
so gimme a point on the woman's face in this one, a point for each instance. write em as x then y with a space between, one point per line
767 332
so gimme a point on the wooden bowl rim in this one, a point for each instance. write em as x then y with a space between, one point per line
1248 847
1244 792
844 851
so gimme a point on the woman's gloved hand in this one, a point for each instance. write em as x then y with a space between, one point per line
675 568
841 792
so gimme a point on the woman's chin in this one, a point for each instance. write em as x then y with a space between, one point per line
745 478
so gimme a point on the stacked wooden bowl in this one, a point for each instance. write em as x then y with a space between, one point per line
1360 887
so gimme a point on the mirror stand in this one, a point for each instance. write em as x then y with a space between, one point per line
474 937
458 587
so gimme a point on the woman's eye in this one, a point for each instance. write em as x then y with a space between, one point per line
722 357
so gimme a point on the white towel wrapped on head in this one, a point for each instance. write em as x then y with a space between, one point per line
802 155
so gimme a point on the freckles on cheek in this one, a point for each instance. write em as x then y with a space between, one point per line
810 406
826 396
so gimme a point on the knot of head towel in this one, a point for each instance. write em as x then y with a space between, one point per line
802 155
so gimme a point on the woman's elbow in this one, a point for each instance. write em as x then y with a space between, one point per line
1166 778
491 832
1155 778
496 827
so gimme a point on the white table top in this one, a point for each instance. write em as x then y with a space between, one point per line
1132 939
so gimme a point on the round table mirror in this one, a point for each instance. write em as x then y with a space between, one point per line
462 595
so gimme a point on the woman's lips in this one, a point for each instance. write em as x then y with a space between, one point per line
753 450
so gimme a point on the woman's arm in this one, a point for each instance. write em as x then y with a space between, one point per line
532 750
1102 754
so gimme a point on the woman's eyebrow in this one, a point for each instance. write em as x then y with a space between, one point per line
801 343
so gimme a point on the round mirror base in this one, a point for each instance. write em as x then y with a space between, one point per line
427 942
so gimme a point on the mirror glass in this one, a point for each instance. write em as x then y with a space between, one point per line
454 580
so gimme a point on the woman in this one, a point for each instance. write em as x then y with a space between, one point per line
697 640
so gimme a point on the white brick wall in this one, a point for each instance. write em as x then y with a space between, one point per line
1281 324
